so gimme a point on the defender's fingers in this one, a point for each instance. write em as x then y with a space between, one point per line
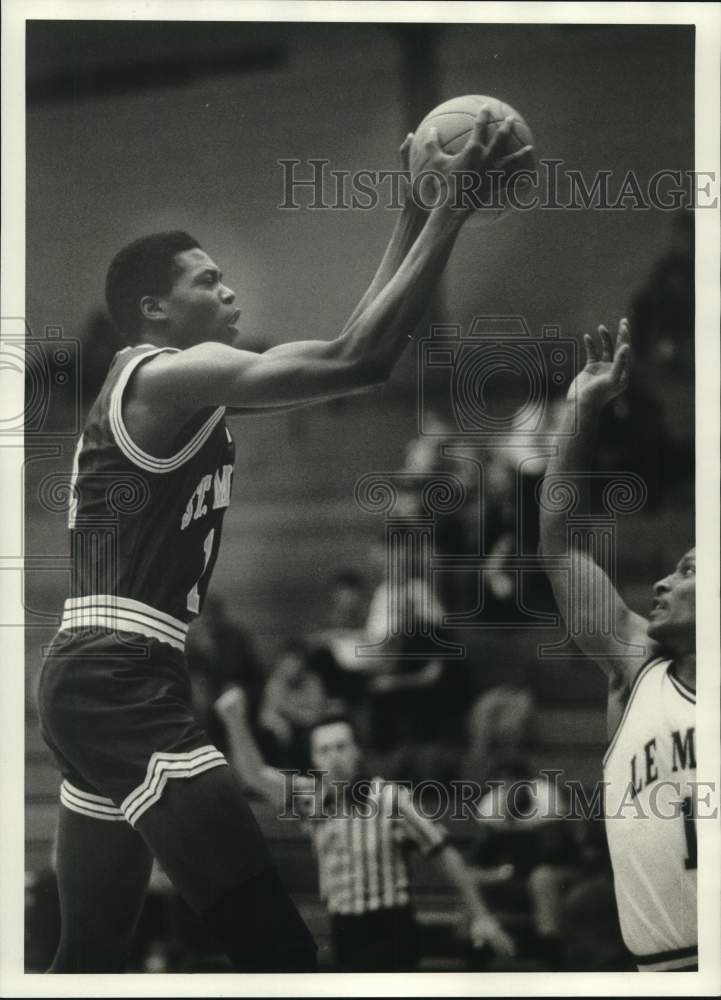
607 344
621 364
480 126
624 333
591 350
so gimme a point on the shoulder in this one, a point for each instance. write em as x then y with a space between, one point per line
157 422
624 673
622 696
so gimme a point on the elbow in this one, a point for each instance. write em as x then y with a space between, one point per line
370 373
359 367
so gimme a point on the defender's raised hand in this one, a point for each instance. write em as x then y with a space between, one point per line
606 372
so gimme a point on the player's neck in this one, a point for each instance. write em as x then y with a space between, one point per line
684 667
156 338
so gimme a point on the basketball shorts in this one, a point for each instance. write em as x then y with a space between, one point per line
116 712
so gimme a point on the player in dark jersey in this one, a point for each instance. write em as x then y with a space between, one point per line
151 481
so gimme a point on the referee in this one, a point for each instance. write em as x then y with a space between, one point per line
361 832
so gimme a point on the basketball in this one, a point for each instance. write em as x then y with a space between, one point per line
454 120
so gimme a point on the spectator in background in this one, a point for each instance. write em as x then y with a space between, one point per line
406 691
500 724
523 829
293 700
332 652
454 532
220 653
574 913
361 830
664 308
650 428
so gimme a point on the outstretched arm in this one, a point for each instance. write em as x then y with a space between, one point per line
405 232
584 593
365 352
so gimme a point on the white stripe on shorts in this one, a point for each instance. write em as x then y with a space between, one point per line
88 804
163 766
122 614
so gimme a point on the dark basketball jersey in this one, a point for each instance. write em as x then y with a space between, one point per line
145 531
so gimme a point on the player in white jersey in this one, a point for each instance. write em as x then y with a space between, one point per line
650 764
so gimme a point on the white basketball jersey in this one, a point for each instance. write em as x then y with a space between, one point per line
649 772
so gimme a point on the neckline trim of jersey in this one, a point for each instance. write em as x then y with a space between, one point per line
683 689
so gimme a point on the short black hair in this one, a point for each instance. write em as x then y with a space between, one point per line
144 267
331 718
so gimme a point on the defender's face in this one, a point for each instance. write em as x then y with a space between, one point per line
333 749
672 621
199 307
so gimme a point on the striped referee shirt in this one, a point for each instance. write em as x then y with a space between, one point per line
362 851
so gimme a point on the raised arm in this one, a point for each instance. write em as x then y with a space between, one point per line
584 590
365 352
406 230
409 224
256 775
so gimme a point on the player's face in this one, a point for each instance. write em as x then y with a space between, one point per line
199 307
672 620
333 749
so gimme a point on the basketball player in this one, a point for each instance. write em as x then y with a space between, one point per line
361 830
650 764
155 461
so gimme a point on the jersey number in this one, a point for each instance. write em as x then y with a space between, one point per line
193 594
689 827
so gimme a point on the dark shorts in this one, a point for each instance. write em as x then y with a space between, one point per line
116 712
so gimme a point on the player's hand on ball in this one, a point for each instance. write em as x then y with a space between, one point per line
469 184
606 372
486 930
404 158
